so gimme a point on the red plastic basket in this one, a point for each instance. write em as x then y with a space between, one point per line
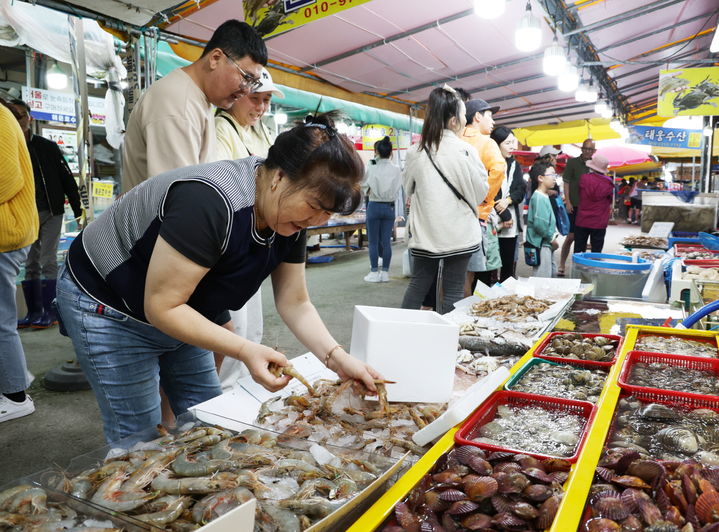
551 336
681 249
486 413
702 339
710 365
702 263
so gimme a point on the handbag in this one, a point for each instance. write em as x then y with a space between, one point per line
532 255
562 217
451 186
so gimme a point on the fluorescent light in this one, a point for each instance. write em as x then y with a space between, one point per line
714 46
582 92
489 9
554 59
55 77
600 107
568 80
280 118
591 95
528 35
607 112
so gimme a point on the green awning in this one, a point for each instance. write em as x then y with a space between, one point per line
306 102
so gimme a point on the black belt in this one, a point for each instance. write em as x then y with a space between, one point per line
384 202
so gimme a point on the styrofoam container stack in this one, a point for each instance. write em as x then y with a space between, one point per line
415 348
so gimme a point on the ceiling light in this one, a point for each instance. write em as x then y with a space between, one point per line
714 46
342 127
554 59
55 77
528 36
600 106
280 118
568 80
581 94
489 9
591 95
607 112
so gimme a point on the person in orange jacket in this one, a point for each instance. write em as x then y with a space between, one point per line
480 123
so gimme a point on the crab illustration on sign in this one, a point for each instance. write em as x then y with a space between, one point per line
689 92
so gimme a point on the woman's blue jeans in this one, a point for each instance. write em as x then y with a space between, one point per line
127 361
380 221
13 368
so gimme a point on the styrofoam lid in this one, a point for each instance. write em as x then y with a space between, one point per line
462 408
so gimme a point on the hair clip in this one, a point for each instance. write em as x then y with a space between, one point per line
329 129
449 89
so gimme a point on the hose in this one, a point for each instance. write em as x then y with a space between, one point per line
689 321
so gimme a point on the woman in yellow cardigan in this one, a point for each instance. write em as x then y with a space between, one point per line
18 229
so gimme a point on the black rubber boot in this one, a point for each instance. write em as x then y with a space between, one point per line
49 316
32 290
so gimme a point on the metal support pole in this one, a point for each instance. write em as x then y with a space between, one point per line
704 175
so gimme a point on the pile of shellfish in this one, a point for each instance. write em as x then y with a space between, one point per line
533 429
666 432
676 378
468 489
676 345
631 493
644 241
562 380
577 346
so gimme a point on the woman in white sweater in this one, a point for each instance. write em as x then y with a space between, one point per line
445 181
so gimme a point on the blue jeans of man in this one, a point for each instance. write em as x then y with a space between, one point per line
126 361
380 220
13 367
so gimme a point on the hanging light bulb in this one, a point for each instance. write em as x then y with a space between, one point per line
280 118
554 59
489 9
581 94
528 36
601 105
568 80
607 112
55 77
591 94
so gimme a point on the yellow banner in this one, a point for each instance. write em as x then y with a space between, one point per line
102 190
689 92
371 133
272 17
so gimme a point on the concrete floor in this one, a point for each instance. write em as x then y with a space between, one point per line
66 425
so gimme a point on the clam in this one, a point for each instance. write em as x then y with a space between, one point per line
513 482
477 521
649 512
602 524
537 492
452 495
478 488
632 524
547 512
630 481
663 526
465 452
508 521
612 508
434 501
707 507
678 439
462 507
647 470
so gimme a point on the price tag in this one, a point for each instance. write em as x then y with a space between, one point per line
102 190
661 229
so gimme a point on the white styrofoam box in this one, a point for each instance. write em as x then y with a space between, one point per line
415 348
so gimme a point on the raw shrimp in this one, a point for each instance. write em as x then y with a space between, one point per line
111 495
191 485
199 465
171 508
289 369
272 517
218 504
313 507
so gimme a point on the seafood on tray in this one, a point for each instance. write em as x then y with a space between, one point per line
185 480
676 345
470 489
702 274
337 416
533 429
666 432
511 308
631 492
668 377
496 341
562 380
480 365
644 241
576 346
31 507
699 255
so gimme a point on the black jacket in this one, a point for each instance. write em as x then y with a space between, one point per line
53 178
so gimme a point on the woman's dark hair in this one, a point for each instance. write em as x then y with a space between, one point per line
315 156
500 133
463 94
443 105
384 148
237 39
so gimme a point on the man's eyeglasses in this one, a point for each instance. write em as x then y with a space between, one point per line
588 149
248 80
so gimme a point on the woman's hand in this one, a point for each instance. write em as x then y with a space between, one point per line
507 224
501 205
257 358
349 367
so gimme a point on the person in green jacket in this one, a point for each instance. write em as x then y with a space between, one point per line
541 224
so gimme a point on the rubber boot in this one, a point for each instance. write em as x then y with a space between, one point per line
49 316
32 290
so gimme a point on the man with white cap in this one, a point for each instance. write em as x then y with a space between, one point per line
241 133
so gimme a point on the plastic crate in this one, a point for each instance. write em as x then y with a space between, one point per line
488 410
703 339
702 263
710 365
551 336
588 364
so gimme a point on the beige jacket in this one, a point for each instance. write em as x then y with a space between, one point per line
440 224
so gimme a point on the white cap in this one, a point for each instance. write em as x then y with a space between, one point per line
549 150
267 85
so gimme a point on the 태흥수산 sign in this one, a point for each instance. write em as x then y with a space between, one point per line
665 137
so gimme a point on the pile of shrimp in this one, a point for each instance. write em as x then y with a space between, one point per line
29 507
334 414
183 481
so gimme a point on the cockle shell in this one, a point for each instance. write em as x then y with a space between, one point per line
434 501
612 508
647 470
537 492
630 481
476 521
508 521
452 495
479 488
632 524
707 507
602 524
462 507
465 452
649 512
547 512
524 510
